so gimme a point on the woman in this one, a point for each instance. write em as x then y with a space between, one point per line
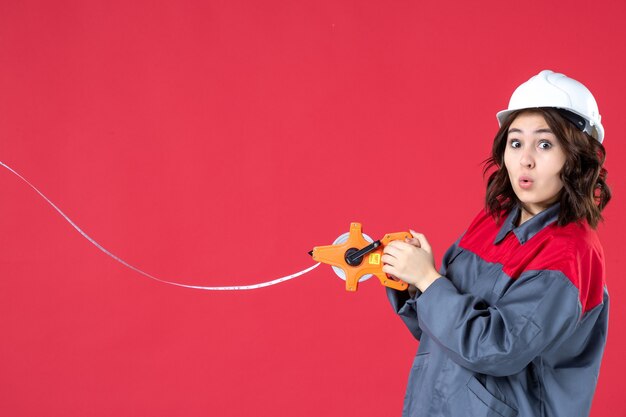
515 322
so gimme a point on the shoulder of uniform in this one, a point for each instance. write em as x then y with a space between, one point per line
574 240
484 219
481 232
578 254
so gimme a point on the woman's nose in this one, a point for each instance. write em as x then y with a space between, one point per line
526 159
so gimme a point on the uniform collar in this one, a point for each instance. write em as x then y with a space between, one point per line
531 227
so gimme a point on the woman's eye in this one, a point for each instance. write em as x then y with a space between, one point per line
514 143
545 145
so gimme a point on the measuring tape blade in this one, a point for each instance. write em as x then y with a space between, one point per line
145 274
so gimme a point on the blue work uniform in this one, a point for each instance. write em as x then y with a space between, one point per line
516 325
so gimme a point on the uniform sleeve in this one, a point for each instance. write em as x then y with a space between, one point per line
539 310
404 305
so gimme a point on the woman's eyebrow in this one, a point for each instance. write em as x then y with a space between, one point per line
544 130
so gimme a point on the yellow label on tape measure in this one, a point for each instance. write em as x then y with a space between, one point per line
374 259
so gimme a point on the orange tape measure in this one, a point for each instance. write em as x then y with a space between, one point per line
357 257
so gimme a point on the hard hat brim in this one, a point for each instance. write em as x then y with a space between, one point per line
596 130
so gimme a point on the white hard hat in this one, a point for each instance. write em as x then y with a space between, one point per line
550 89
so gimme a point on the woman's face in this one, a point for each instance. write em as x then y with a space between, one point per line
534 158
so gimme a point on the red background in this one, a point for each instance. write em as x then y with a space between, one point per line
215 143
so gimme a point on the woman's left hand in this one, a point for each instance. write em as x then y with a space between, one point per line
411 261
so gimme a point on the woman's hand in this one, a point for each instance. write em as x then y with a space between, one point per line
411 261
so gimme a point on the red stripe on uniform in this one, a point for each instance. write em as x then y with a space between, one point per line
573 249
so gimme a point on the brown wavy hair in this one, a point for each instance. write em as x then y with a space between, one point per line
585 192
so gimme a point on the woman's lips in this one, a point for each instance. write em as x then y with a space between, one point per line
525 182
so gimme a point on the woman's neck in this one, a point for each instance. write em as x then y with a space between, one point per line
524 216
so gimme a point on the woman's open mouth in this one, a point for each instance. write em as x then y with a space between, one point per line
525 182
